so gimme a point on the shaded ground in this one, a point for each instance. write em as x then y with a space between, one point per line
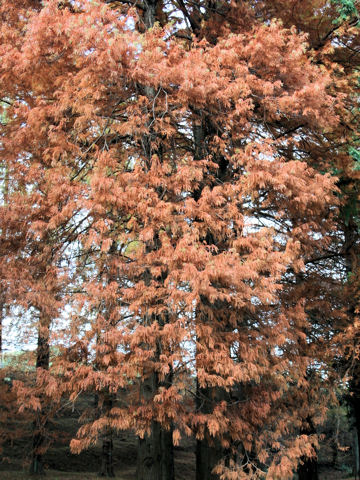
127 474
53 475
61 464
15 457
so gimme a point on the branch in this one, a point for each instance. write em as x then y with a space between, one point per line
133 3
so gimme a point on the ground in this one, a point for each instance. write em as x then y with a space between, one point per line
61 464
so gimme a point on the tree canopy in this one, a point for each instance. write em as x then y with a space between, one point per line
179 218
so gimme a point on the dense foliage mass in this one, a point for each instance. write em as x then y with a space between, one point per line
179 224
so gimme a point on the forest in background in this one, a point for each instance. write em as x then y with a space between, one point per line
179 234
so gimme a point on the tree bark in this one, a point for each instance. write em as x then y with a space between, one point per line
209 451
39 424
208 454
155 456
351 259
308 467
355 403
103 402
356 450
155 459
308 470
107 463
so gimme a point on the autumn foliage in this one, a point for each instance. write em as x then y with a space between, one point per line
172 196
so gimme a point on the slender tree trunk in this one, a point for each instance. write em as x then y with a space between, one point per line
354 388
356 450
355 401
351 259
107 467
39 424
335 443
155 460
107 464
105 405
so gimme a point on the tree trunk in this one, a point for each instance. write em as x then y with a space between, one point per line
107 465
155 455
107 468
209 451
39 424
155 459
308 470
355 401
308 467
351 260
356 469
335 444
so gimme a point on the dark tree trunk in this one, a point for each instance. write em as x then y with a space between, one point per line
107 468
356 449
308 470
150 13
335 444
37 465
351 263
39 424
308 467
107 464
209 451
355 404
155 459
155 455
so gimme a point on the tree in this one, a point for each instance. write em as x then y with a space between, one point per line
35 224
335 40
172 152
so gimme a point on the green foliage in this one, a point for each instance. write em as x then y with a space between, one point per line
22 361
346 9
350 210
132 247
356 156
3 111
